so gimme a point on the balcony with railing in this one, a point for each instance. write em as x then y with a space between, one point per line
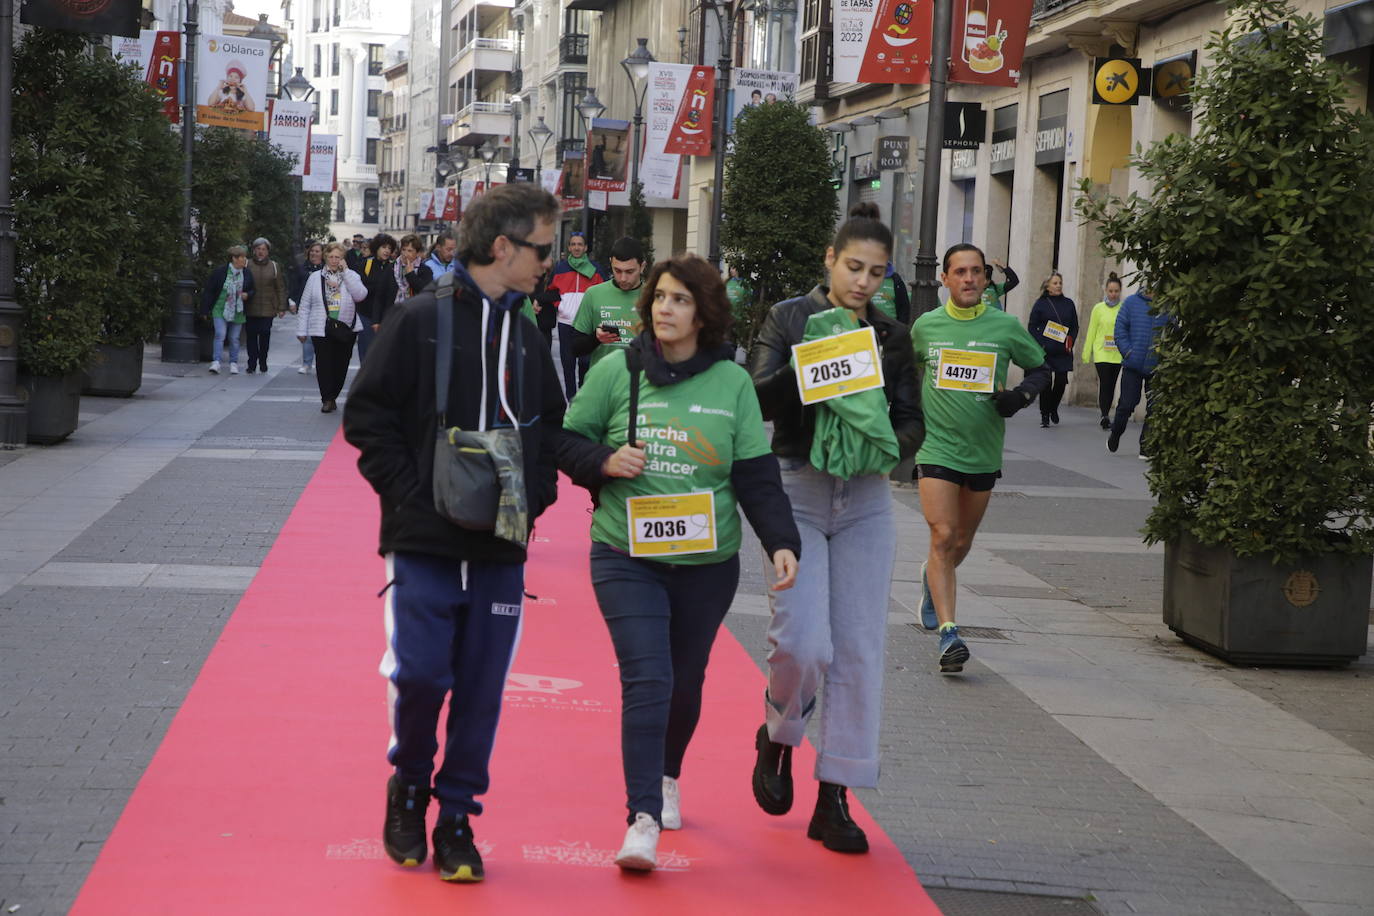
487 119
494 54
1042 8
572 49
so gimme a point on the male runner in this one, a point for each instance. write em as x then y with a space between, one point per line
966 349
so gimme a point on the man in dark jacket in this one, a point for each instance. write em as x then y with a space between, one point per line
454 602
269 302
1138 326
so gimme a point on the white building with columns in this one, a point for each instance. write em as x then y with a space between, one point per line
341 46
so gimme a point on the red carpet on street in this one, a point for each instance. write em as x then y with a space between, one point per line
266 795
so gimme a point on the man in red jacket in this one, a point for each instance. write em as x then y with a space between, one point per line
572 277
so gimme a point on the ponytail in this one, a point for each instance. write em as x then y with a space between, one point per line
865 224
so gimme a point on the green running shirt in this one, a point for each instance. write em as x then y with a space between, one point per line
963 429
606 303
694 430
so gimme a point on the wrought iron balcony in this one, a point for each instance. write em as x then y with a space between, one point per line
572 49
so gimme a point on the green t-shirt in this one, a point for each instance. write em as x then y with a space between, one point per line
886 298
739 295
695 431
963 429
992 295
606 303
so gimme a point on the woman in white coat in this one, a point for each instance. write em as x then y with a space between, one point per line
328 315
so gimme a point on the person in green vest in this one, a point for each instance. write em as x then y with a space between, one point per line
607 318
892 298
995 293
739 293
965 348
1100 348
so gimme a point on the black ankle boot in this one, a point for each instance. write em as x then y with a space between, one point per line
772 774
831 823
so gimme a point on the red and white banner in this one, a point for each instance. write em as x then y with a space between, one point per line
451 212
689 133
426 208
552 180
157 56
882 41
288 129
988 41
658 168
231 81
467 193
321 167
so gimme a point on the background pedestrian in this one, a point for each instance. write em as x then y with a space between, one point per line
1054 325
227 292
1100 347
268 302
331 293
312 261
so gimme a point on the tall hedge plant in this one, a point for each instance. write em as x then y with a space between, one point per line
1255 240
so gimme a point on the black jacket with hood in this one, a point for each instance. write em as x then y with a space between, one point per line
390 415
757 482
775 380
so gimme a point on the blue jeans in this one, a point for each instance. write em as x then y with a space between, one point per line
1132 381
365 338
663 619
223 330
831 626
307 352
452 629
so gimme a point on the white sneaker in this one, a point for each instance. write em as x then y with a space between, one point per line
672 804
302 370
640 852
233 368
214 368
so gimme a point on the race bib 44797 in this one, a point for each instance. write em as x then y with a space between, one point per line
965 370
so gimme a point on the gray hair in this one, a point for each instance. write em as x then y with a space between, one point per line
238 251
510 210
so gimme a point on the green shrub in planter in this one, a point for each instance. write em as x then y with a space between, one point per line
1256 239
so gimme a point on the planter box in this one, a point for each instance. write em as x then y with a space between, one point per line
54 404
1251 612
114 372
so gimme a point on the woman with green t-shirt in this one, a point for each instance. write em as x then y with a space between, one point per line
1100 348
667 434
832 626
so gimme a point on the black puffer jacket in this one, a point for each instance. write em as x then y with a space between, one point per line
775 380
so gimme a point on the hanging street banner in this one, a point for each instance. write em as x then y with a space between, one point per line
1119 81
156 55
467 191
882 41
101 17
289 130
689 123
231 82
608 144
749 88
321 173
451 208
659 169
572 180
425 212
551 180
988 41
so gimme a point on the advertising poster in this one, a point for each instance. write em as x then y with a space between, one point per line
231 82
759 87
689 126
572 175
882 41
551 180
157 57
320 166
467 191
425 212
100 17
608 145
289 131
451 210
989 41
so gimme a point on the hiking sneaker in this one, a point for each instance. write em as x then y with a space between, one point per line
403 835
772 774
831 823
455 855
214 368
953 652
928 618
640 851
672 804
233 368
302 370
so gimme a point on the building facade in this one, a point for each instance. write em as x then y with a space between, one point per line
395 154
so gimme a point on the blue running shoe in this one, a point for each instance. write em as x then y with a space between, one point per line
928 618
953 652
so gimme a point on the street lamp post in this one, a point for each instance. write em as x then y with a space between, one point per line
14 416
637 70
448 161
488 154
725 24
297 89
540 134
179 341
514 137
588 109
265 31
924 279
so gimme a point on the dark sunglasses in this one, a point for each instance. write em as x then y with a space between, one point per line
541 251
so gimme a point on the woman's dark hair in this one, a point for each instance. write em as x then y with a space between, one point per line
963 246
381 239
1113 278
412 241
708 291
865 224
